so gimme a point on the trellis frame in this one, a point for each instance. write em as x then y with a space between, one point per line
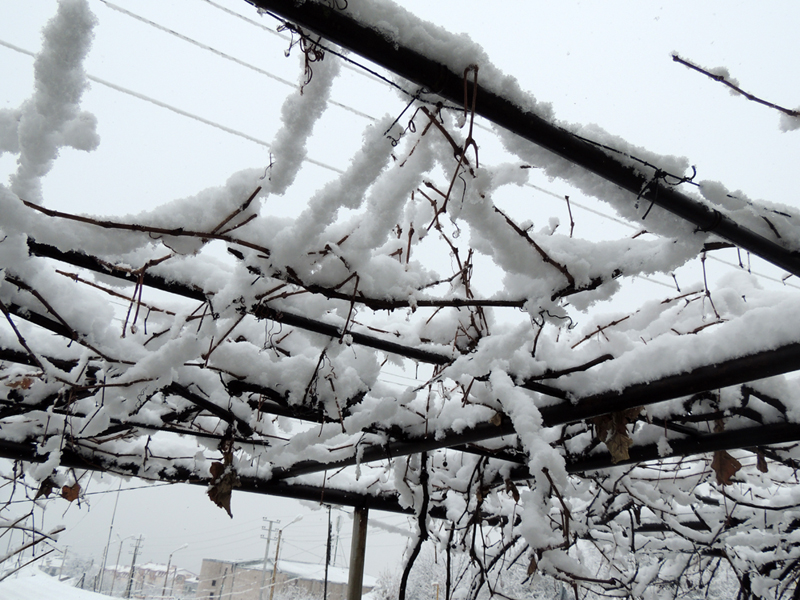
369 44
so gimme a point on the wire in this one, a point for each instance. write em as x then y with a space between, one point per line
356 69
27 500
243 18
177 110
761 275
227 56
583 206
285 82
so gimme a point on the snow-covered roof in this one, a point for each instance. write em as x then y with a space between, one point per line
301 569
316 572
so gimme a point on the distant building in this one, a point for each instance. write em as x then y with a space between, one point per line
150 581
241 580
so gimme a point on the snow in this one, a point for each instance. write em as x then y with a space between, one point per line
51 118
406 222
312 571
32 583
790 122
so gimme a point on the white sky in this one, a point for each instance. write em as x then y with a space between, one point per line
606 63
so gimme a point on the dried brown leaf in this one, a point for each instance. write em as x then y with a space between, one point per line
612 429
604 424
512 489
618 446
222 484
21 383
761 463
532 566
496 420
216 469
71 492
725 466
45 489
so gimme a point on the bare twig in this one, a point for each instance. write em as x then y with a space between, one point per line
545 257
161 231
721 79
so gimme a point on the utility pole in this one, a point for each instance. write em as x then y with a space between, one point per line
266 555
63 560
108 542
355 579
338 531
275 564
166 577
116 568
133 566
233 579
327 555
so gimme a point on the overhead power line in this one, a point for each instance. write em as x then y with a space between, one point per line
243 18
345 31
266 144
233 59
176 110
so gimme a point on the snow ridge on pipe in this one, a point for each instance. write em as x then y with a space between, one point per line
369 43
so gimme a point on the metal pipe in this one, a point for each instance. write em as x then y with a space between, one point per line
340 28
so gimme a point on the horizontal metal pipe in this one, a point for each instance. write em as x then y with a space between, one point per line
323 494
261 311
732 372
369 43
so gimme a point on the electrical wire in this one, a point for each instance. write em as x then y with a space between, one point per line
263 143
243 18
176 110
28 500
227 56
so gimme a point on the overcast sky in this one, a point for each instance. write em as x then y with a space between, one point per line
606 63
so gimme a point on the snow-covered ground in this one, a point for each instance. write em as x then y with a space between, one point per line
33 584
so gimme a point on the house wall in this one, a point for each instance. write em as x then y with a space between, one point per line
221 580
148 583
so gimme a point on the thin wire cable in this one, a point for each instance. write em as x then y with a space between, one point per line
243 18
351 67
761 275
233 59
369 71
310 160
176 110
106 491
583 206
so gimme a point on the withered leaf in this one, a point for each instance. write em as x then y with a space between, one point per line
71 492
21 383
612 429
761 463
222 484
725 466
217 469
496 420
45 489
618 446
512 489
532 566
604 424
